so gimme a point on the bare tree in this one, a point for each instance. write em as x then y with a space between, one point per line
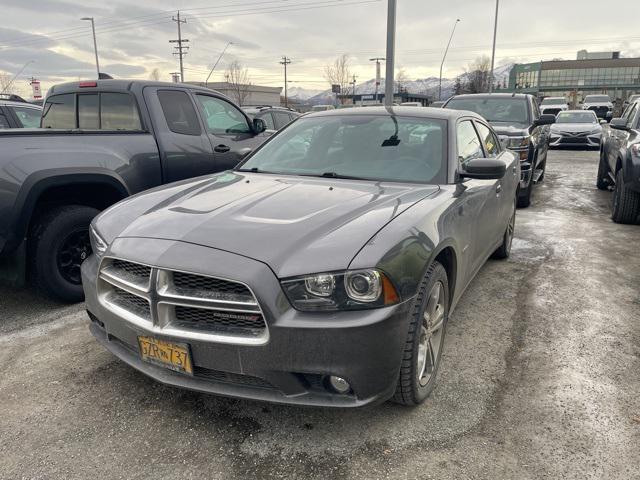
6 86
478 75
155 75
238 78
339 73
402 79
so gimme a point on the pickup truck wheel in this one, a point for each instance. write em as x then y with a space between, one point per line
602 181
626 203
425 340
524 197
504 250
59 243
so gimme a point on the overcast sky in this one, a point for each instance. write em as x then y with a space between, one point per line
133 36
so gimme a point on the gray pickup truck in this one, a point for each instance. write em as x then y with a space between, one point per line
100 142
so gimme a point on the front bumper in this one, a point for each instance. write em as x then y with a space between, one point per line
565 140
291 366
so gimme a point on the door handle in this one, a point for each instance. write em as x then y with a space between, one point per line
221 149
514 169
499 188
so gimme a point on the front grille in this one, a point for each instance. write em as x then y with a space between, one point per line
219 321
199 286
574 140
184 305
137 305
231 378
600 111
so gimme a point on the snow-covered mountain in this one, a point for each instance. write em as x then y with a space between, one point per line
426 86
299 93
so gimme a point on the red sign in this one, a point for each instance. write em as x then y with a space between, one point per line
35 87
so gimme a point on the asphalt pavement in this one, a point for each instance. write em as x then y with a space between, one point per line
540 379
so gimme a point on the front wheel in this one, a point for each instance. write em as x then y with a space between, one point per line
524 197
59 243
425 340
626 203
602 182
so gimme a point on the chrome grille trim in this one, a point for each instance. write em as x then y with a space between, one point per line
115 277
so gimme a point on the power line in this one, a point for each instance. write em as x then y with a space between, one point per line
181 50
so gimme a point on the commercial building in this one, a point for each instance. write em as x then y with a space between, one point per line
402 97
251 94
617 77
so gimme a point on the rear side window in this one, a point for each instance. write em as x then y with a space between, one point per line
118 111
268 121
59 112
468 143
491 144
179 112
88 116
3 121
282 119
28 117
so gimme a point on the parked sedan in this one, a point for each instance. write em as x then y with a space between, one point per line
576 128
319 276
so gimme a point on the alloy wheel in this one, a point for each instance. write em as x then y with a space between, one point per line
432 329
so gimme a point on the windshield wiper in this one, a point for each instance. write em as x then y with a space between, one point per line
337 175
254 170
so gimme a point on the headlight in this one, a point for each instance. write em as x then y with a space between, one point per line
98 245
517 142
350 290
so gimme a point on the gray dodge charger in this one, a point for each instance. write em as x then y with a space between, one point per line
320 271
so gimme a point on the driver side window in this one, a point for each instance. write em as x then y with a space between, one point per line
221 117
469 146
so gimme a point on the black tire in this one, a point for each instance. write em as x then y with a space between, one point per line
411 390
603 182
504 250
544 170
625 207
524 197
57 245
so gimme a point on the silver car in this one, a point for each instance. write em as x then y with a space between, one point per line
576 128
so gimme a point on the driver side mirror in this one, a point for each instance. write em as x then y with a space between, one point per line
619 124
545 119
484 169
259 125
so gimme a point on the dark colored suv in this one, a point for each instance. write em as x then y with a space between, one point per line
516 118
274 117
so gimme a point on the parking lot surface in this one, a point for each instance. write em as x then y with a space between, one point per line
540 379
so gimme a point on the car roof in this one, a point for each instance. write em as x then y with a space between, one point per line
11 103
493 95
121 84
425 112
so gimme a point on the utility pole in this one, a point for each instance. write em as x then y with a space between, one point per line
285 61
391 52
181 50
493 51
353 86
95 44
377 60
445 56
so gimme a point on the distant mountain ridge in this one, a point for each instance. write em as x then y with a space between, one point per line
426 86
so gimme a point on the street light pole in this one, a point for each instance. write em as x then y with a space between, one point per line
216 64
444 57
493 51
95 44
6 87
391 51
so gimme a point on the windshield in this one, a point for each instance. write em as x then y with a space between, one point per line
576 117
597 98
367 147
505 110
554 101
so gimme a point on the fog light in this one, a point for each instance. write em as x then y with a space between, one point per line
339 384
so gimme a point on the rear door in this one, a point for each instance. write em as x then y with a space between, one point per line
482 198
185 149
228 129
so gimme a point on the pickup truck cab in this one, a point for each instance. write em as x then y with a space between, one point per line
619 167
553 105
100 142
516 118
600 104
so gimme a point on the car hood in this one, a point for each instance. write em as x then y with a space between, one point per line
575 127
296 225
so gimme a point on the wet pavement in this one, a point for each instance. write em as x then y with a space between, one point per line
540 379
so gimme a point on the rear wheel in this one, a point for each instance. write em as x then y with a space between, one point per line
603 181
425 340
626 203
59 243
504 250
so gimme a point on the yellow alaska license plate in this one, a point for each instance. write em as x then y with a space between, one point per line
174 356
